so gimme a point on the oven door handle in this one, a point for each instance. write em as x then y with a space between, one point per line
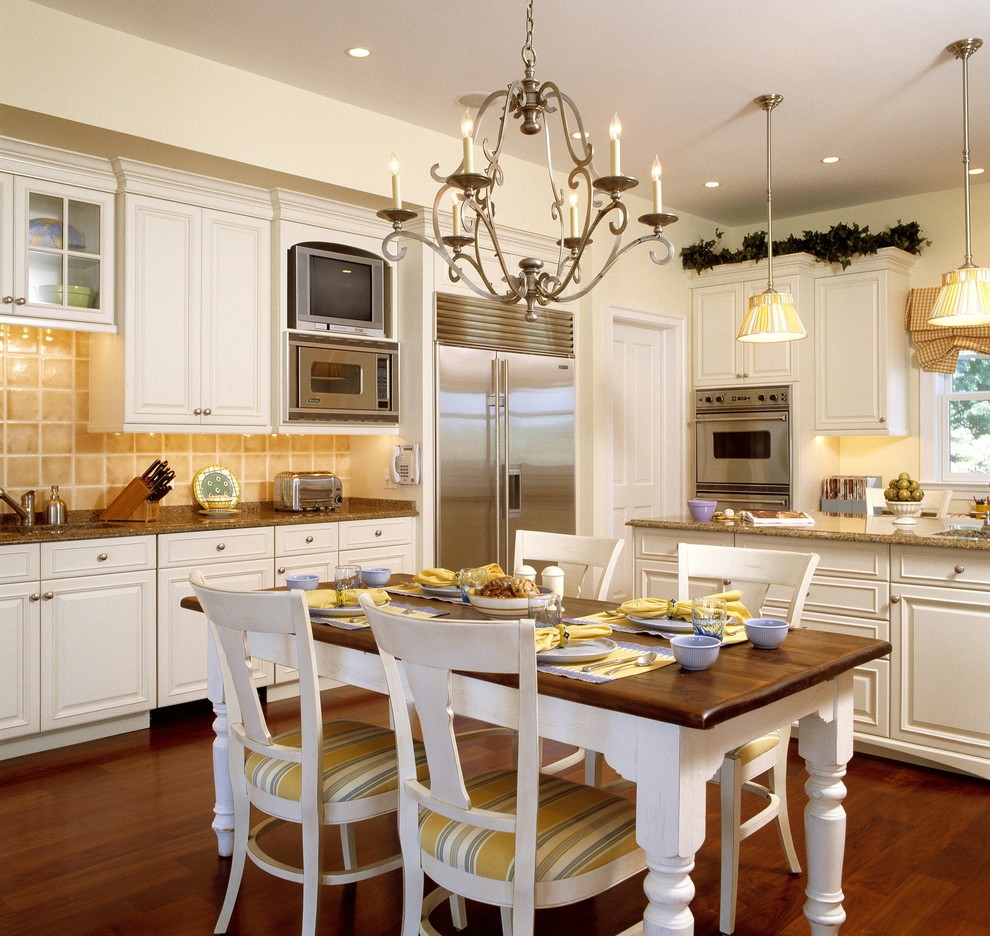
763 417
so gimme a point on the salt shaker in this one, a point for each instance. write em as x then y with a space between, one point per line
526 572
552 577
55 508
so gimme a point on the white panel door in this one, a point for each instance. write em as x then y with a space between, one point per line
20 668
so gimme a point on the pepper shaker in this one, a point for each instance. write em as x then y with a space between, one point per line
55 508
552 577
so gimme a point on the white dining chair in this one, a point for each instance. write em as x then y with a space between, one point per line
588 562
515 837
774 583
323 773
934 503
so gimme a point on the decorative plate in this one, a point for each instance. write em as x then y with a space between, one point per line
662 624
215 481
47 232
580 651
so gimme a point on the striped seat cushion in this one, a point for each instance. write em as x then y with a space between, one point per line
580 828
358 761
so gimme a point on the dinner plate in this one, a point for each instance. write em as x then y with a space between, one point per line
665 625
442 591
346 611
581 651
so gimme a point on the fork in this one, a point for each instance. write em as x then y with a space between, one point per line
603 663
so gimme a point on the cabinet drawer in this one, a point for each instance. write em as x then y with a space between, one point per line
828 595
309 538
358 534
178 549
935 566
20 562
662 544
112 554
845 560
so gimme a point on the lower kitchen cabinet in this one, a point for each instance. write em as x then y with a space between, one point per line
240 559
656 558
20 659
386 542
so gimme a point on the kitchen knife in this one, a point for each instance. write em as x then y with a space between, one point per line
150 469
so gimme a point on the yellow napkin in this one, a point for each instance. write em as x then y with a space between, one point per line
438 577
734 632
661 607
549 637
327 597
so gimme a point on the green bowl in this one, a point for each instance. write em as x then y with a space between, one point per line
79 296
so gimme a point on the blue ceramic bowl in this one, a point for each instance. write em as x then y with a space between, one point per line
766 633
375 577
305 582
695 652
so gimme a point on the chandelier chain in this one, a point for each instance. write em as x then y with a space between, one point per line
528 52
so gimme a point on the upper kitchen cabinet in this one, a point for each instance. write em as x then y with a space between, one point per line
719 304
194 349
862 357
56 238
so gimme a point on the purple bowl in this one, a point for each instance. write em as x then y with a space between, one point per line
702 510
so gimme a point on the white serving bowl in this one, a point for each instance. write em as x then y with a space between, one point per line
702 510
304 582
695 652
375 576
509 608
766 633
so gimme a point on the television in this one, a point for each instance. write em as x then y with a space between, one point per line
336 288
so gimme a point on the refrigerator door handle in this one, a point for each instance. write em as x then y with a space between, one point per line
513 493
503 466
497 420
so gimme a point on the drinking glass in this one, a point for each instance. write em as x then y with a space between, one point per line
345 577
544 609
708 616
467 579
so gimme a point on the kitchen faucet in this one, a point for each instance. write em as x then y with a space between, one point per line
24 510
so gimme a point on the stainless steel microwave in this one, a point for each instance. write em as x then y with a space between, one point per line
336 380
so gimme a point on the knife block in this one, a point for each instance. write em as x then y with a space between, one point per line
132 504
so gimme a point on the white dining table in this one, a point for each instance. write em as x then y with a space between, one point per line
667 731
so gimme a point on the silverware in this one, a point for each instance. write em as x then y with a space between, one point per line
603 663
644 659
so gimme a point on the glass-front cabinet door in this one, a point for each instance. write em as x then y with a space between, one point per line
62 264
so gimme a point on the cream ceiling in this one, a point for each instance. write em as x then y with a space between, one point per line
867 80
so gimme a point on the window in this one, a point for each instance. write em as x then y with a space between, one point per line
956 422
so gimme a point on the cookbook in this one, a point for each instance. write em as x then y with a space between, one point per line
777 517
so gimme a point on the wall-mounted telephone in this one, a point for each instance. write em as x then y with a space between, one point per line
405 463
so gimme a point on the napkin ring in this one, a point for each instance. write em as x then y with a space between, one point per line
671 608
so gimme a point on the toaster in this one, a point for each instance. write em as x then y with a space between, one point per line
307 490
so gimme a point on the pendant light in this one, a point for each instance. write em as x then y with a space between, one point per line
771 315
964 298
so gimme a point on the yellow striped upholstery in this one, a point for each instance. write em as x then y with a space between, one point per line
753 749
579 829
358 761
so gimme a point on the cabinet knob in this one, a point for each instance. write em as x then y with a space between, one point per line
102 557
281 570
7 300
221 547
309 539
378 532
207 412
34 597
727 582
960 569
894 599
48 596
20 300
883 419
197 412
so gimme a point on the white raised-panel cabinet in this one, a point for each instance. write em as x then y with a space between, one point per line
196 321
656 558
719 304
237 559
386 542
20 655
862 353
56 238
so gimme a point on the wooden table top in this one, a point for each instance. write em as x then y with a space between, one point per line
743 677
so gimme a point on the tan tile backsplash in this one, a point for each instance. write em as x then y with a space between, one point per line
44 410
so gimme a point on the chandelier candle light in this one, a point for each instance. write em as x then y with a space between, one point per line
474 232
771 315
964 298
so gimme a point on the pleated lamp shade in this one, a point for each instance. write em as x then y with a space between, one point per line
964 298
771 316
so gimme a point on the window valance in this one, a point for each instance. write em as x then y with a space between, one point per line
938 346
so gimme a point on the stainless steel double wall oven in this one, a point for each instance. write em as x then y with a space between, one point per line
743 446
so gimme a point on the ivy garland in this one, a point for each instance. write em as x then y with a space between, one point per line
839 244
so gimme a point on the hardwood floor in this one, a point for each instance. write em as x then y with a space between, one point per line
113 837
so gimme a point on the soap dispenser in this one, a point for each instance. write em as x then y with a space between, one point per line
55 508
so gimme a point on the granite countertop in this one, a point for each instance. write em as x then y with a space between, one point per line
86 524
842 527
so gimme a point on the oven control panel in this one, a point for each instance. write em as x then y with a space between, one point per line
738 399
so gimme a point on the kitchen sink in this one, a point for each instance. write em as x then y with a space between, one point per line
966 533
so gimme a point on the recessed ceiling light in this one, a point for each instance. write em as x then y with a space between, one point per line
712 184
976 172
828 160
358 52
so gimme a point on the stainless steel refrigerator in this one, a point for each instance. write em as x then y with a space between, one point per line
505 451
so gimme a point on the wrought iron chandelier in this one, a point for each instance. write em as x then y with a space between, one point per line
964 298
471 195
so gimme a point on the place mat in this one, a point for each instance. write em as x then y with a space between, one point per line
734 633
621 652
